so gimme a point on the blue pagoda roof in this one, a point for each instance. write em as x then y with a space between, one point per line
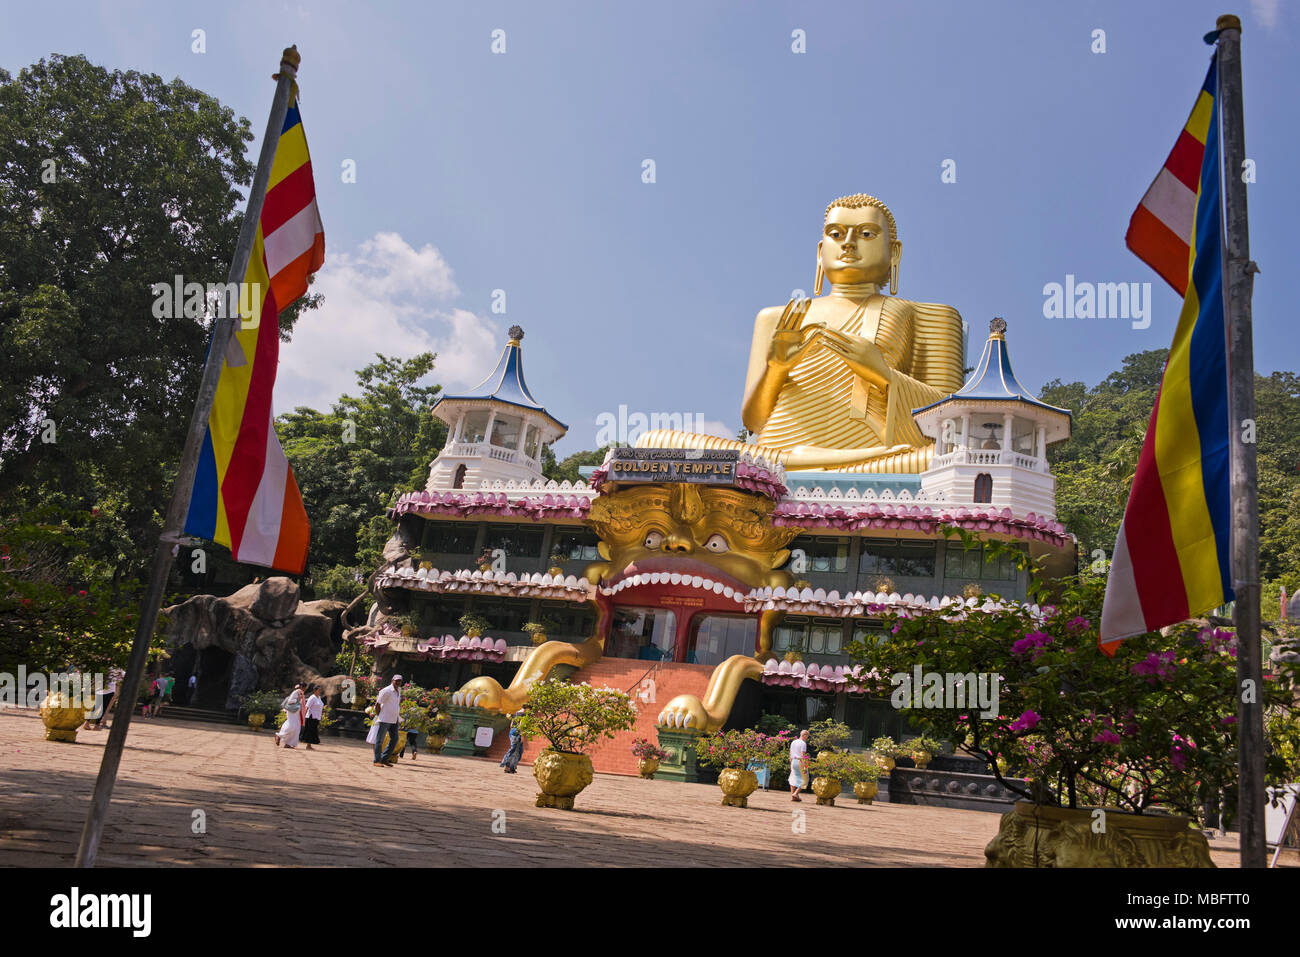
993 377
506 382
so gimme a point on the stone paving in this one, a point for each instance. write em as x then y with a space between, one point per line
266 806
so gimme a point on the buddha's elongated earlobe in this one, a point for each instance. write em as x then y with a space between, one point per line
821 273
895 255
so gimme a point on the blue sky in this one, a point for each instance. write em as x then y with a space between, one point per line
522 171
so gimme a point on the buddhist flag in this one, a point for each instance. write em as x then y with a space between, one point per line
1172 557
1160 231
245 495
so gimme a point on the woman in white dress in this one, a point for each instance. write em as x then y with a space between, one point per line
292 727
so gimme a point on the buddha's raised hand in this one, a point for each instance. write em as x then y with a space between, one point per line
790 339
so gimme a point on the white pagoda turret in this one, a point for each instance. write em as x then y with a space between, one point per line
991 438
496 432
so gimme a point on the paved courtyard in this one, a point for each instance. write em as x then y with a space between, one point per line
264 806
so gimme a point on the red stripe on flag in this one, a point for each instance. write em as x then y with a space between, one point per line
1159 247
1156 569
248 460
287 198
295 530
1185 160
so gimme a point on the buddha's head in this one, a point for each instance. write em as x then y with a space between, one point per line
859 243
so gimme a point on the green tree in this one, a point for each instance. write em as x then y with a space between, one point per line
353 461
567 469
110 182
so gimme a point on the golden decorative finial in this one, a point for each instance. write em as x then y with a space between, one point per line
1228 22
291 56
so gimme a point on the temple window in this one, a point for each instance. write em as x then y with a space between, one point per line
517 541
645 633
505 432
577 544
531 441
909 559
475 428
715 638
983 488
459 480
823 554
448 538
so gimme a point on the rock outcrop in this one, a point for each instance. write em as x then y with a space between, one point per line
276 639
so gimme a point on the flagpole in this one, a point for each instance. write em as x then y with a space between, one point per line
169 540
1239 282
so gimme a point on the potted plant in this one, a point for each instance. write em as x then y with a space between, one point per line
862 774
405 623
1141 737
557 560
886 749
441 727
795 651
259 706
829 770
485 560
571 718
538 630
827 735
474 625
921 749
732 752
650 755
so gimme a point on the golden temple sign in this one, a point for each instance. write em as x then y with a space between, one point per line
706 466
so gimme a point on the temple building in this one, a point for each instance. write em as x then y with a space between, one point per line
713 585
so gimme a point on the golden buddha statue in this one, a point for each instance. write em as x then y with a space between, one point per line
833 380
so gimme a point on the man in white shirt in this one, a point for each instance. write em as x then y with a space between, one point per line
388 707
798 765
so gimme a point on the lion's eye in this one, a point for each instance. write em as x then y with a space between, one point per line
716 543
654 539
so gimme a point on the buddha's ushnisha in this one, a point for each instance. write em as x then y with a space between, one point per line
833 380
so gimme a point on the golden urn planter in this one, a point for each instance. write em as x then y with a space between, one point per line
538 637
737 786
61 718
922 759
434 743
555 571
648 767
255 721
865 791
826 790
561 775
886 763
1044 836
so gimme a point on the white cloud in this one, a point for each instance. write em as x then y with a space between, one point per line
384 297
1266 12
716 427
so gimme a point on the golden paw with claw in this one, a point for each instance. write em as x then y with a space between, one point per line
685 711
482 692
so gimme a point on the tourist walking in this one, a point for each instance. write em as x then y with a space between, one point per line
315 707
388 709
104 700
511 761
798 765
292 727
193 686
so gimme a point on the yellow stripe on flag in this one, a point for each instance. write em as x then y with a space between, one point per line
289 155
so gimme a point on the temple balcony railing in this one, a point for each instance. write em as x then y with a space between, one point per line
990 457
